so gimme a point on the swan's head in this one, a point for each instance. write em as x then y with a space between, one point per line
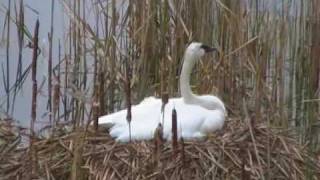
197 50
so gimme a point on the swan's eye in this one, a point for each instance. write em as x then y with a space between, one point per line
207 48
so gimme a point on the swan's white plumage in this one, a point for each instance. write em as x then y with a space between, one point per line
196 115
193 121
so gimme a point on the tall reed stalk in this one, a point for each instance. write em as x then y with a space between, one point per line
50 36
7 81
33 164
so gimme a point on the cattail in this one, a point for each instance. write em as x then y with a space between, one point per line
158 140
174 131
7 81
50 79
128 96
95 108
50 65
58 82
183 157
34 97
158 133
56 98
34 76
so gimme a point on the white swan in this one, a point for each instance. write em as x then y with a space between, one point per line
196 115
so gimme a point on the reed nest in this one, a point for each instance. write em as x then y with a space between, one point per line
241 151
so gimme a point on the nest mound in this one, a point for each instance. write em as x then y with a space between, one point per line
242 151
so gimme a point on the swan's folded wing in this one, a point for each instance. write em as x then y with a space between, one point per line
139 131
145 116
120 116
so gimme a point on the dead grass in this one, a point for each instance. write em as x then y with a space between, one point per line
241 151
268 58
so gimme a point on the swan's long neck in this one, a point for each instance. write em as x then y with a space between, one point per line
214 103
186 92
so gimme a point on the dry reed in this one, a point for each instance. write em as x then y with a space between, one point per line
268 60
241 150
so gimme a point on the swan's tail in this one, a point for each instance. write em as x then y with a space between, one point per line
110 120
107 125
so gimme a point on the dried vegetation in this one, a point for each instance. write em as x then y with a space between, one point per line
267 73
240 151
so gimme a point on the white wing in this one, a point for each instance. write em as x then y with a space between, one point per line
140 111
193 121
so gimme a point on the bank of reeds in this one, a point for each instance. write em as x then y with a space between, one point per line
269 59
241 151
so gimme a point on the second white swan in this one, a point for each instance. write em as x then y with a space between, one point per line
196 115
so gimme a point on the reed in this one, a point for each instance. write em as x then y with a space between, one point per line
6 82
267 61
33 164
50 36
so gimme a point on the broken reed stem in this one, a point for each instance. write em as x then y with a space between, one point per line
59 85
111 87
65 97
56 98
7 82
128 96
50 79
95 106
50 65
34 78
165 100
182 151
34 97
129 116
158 140
174 132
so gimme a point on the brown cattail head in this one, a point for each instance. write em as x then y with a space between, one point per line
128 90
165 97
33 154
158 141
56 98
158 133
182 151
128 95
95 109
34 77
174 131
165 100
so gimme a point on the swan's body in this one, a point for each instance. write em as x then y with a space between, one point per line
197 115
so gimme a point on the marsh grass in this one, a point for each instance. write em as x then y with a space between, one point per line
266 72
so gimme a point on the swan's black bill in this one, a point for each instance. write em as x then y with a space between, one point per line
208 48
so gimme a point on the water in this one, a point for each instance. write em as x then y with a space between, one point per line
33 10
